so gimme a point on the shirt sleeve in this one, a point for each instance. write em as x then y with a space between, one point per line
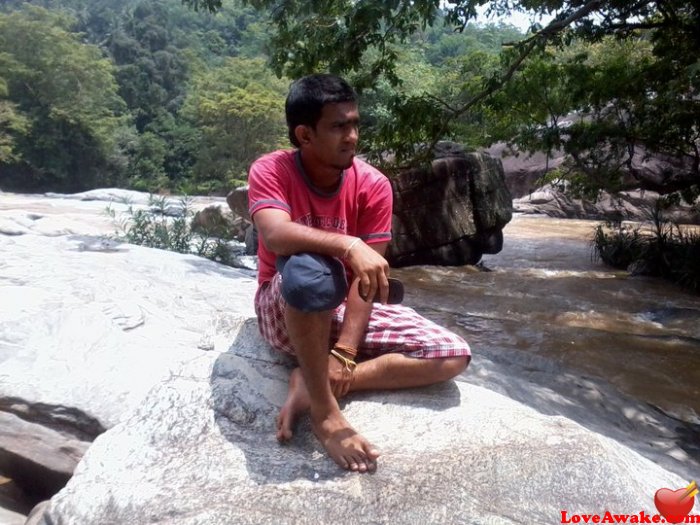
266 188
374 224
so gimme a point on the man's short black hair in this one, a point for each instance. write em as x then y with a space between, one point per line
308 95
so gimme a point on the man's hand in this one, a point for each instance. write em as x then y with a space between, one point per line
339 377
371 269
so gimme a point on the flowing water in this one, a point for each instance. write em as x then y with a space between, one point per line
547 301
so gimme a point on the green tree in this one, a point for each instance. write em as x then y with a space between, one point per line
12 125
66 95
238 110
364 36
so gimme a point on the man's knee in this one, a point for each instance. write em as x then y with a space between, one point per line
312 282
453 366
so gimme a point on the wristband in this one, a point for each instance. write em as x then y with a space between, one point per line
350 247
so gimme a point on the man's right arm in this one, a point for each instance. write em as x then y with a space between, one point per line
284 237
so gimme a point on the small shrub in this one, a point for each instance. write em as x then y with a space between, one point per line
665 251
169 227
618 247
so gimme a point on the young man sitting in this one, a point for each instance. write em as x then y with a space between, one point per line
324 223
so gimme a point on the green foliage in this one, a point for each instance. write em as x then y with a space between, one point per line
63 103
608 107
618 247
664 250
146 169
649 106
155 228
13 125
152 48
238 110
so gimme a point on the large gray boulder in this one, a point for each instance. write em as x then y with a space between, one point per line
200 449
450 213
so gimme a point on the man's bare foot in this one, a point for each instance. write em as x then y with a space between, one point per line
297 402
344 445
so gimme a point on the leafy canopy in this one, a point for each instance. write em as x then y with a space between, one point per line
58 101
648 108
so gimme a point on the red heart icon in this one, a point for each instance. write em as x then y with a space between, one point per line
674 505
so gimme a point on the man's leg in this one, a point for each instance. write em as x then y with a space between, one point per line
309 334
395 371
402 350
386 372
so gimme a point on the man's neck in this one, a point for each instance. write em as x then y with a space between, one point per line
324 178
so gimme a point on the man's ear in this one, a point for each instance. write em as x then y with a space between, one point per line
303 134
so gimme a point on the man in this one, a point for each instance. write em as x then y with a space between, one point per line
314 207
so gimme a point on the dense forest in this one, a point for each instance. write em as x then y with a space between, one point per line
154 96
159 96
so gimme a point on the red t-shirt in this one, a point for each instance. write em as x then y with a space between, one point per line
361 206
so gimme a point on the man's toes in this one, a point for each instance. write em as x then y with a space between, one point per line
284 435
343 463
372 453
359 463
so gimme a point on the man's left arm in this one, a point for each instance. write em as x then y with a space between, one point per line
374 226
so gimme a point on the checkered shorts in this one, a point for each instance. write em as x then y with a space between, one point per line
391 328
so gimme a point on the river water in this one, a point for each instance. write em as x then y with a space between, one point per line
547 304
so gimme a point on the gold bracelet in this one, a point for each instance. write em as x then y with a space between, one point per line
350 247
348 363
346 349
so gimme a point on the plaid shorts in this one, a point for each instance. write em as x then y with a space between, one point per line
391 328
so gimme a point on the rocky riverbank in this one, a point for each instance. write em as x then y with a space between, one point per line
139 375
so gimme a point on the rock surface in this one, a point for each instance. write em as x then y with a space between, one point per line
627 205
524 171
87 326
201 449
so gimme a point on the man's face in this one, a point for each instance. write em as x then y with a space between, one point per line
334 141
